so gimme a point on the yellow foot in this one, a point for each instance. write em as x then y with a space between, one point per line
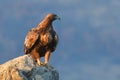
39 62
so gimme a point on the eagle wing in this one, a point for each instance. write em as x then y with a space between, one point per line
30 40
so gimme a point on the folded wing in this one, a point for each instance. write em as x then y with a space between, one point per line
31 39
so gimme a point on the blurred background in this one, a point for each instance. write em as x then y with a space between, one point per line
89 32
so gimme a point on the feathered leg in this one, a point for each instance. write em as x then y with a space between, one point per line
47 56
36 56
38 61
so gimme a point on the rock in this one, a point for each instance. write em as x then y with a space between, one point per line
25 68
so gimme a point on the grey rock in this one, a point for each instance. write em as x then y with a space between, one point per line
25 68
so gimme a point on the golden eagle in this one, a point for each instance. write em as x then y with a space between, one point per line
42 40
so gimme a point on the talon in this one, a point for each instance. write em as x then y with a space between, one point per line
39 62
43 64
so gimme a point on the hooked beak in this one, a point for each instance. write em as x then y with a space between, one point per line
57 18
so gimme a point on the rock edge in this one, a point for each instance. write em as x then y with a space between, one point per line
25 68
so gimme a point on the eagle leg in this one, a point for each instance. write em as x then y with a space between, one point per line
47 56
36 56
39 62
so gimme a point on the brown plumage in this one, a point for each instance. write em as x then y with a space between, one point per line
42 40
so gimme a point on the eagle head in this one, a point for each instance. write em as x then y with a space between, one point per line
52 17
